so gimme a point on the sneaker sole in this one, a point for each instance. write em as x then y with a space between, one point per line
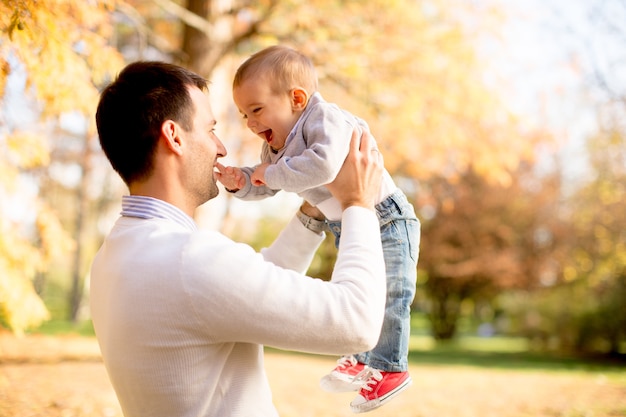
373 404
330 384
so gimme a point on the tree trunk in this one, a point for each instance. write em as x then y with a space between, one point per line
197 44
443 318
445 308
76 291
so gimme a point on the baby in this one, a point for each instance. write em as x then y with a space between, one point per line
306 140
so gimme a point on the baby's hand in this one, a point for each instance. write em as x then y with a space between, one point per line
231 177
258 176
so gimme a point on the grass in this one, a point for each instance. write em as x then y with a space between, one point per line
58 327
509 353
504 354
496 352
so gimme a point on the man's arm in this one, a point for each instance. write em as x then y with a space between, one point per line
356 185
294 247
291 310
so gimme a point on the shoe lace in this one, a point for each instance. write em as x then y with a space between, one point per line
346 361
371 377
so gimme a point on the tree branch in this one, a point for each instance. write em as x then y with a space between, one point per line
187 17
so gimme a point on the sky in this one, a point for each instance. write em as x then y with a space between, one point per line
541 57
553 49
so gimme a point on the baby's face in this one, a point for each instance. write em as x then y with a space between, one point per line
270 115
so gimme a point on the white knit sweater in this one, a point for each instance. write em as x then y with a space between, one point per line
182 316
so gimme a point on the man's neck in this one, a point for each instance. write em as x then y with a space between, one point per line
162 192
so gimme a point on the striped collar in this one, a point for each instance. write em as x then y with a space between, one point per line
150 208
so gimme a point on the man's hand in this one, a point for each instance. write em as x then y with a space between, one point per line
231 177
358 181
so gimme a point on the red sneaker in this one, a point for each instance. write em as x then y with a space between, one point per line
379 387
342 378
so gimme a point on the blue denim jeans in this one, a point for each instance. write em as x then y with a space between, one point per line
400 235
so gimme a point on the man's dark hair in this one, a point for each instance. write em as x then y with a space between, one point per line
133 108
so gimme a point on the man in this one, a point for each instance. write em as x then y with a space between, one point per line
181 315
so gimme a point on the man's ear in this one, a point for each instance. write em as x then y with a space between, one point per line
299 98
170 132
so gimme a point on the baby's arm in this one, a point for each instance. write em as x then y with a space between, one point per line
231 177
237 181
258 176
326 137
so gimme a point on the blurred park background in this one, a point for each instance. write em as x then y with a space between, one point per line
502 121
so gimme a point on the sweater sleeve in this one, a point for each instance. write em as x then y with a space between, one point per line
251 192
294 247
238 296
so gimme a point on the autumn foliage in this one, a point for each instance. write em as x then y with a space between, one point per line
61 49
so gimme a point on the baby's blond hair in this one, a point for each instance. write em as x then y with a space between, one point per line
286 68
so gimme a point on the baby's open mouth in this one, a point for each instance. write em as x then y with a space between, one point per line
268 135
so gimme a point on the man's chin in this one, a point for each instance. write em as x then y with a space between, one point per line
213 191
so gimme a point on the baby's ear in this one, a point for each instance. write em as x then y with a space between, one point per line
299 98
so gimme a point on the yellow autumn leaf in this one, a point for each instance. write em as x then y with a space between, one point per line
55 241
27 149
20 307
64 50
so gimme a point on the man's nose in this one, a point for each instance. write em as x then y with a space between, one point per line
221 149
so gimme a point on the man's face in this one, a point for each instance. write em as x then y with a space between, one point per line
205 148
